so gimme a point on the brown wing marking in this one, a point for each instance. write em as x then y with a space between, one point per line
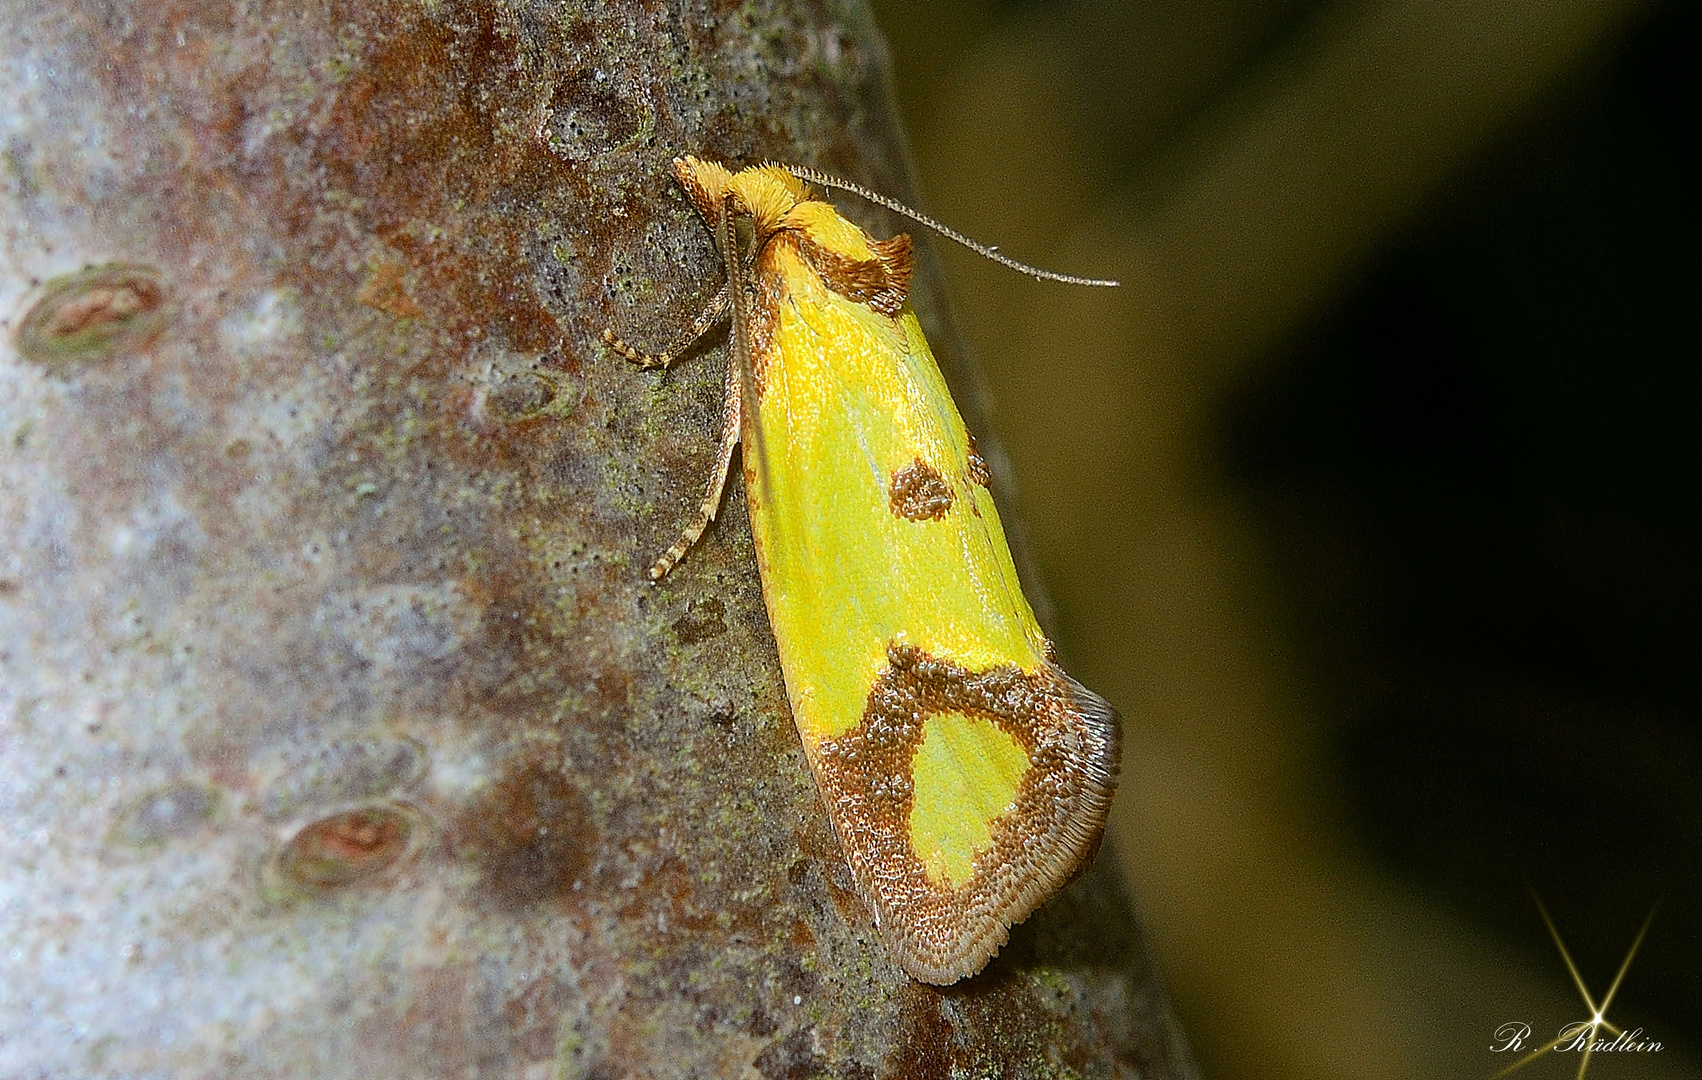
918 492
882 282
1072 739
975 466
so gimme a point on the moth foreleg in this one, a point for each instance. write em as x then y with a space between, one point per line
730 418
706 319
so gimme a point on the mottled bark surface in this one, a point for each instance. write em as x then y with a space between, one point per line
340 732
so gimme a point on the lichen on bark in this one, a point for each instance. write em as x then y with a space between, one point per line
340 731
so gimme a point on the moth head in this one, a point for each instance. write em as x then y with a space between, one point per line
763 193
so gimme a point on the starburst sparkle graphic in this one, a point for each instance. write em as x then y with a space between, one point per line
1585 1032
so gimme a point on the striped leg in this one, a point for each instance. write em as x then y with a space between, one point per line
707 318
730 414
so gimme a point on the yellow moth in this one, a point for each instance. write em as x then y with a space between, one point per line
966 775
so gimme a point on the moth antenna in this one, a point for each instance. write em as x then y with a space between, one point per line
814 176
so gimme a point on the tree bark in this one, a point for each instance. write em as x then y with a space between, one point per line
340 731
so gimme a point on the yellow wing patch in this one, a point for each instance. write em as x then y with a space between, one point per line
966 776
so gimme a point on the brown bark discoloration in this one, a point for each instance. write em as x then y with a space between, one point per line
375 481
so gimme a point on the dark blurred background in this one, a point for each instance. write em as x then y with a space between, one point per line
1370 498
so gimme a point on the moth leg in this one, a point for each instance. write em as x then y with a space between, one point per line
707 318
730 416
